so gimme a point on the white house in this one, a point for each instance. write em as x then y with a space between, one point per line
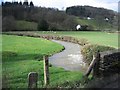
78 27
106 19
88 18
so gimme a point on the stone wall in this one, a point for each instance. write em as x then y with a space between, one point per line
109 63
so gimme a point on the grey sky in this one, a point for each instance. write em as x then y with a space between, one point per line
109 4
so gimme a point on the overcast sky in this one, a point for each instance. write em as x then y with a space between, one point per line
62 4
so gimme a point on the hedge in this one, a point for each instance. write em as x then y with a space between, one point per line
89 50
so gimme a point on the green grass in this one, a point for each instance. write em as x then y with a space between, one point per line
29 45
100 38
95 24
25 25
21 55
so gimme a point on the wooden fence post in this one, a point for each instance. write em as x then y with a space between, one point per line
90 67
94 65
46 70
32 80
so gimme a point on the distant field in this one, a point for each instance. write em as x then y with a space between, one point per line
94 24
97 25
101 38
25 25
21 55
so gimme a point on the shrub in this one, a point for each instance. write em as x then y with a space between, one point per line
89 50
8 23
53 26
43 25
83 41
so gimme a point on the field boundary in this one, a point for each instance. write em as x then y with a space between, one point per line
81 42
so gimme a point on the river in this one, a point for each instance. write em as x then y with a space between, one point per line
70 59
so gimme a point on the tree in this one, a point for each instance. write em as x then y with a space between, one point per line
25 3
3 3
8 23
31 4
69 23
42 25
20 3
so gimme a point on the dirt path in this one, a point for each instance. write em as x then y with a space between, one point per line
69 59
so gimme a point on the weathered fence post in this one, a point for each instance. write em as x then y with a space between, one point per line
90 67
32 80
46 70
94 65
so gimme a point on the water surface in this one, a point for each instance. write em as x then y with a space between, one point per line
70 58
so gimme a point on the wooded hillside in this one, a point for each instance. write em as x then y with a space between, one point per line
55 19
89 11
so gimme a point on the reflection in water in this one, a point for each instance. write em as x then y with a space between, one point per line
70 59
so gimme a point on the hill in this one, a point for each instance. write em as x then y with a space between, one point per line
96 18
94 24
89 11
28 17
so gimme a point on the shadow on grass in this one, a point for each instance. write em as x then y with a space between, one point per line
8 56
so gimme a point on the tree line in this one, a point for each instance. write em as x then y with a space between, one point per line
89 11
18 10
26 3
51 18
47 18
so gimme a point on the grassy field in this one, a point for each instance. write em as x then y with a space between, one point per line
97 25
101 38
22 55
25 25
